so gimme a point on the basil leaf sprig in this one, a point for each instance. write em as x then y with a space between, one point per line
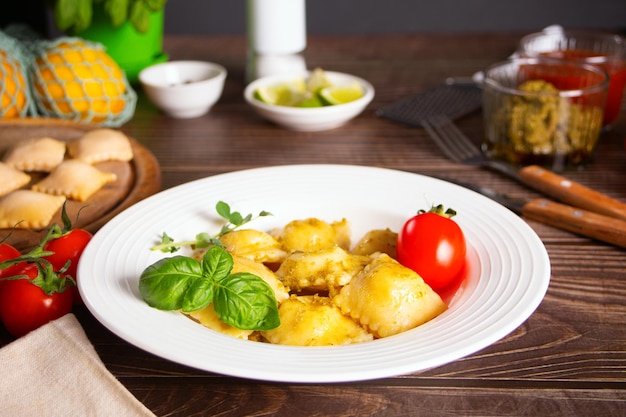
234 220
242 300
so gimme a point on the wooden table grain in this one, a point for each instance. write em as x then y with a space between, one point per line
567 359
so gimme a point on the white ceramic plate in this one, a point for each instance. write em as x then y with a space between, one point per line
508 274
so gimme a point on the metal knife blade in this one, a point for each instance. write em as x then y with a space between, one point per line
562 189
573 219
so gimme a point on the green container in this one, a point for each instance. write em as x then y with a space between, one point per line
131 49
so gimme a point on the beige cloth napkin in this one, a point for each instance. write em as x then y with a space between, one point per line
55 371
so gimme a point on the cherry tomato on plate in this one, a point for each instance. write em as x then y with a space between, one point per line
433 245
25 305
68 247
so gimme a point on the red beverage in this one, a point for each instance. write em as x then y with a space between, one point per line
615 68
604 50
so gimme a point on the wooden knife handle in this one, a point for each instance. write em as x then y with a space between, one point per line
571 192
573 219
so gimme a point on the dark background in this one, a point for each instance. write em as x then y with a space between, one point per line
374 16
377 16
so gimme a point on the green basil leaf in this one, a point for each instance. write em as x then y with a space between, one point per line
117 10
245 301
65 14
163 285
198 295
156 5
83 16
139 16
217 263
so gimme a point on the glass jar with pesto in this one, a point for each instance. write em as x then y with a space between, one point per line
544 112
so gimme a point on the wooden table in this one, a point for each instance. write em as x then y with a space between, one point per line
568 358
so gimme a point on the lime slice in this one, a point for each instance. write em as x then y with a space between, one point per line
317 80
341 94
283 94
311 102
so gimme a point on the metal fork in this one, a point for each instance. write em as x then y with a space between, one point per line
452 142
459 148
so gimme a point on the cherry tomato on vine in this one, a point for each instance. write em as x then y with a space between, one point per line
8 252
25 305
433 245
68 247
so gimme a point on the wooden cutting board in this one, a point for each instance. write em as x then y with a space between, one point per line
136 179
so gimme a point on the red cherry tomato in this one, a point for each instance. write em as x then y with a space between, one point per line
24 306
433 245
8 252
68 247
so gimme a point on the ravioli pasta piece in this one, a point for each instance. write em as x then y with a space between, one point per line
74 179
41 154
241 264
313 234
388 298
27 209
12 179
209 318
101 145
378 240
324 270
253 244
312 320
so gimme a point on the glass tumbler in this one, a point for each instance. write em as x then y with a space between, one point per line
605 50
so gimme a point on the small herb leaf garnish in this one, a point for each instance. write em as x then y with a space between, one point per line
242 300
234 220
245 301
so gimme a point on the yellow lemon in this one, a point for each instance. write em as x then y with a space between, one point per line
13 88
75 80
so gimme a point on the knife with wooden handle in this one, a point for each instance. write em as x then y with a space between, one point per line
576 220
573 219
561 188
571 192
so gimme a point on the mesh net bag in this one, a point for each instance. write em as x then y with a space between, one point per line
15 97
76 79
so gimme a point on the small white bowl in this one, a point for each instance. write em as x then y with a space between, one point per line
184 89
310 119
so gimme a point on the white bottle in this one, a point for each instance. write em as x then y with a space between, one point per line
276 27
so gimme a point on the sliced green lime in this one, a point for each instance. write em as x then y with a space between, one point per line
311 102
317 80
283 94
341 94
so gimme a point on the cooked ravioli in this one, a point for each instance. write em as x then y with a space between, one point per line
388 298
379 240
27 209
314 321
40 154
320 271
253 244
313 234
12 179
241 264
74 179
101 145
208 318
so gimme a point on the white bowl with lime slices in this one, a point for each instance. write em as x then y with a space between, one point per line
310 100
